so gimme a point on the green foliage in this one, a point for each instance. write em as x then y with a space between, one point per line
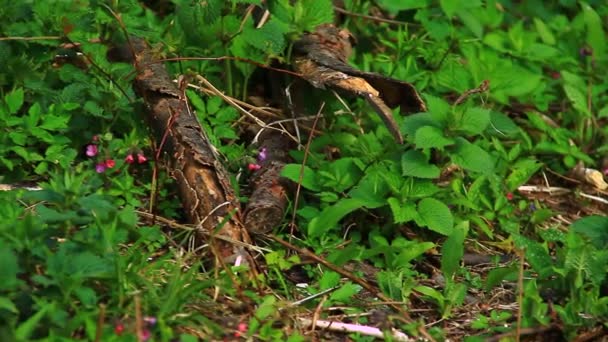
79 243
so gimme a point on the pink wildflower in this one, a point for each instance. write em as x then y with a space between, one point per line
110 163
141 158
91 150
253 167
129 159
101 167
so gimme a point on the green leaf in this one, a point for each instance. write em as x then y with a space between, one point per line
595 228
8 305
53 122
453 250
497 275
544 32
269 38
521 172
596 37
402 213
438 108
14 100
391 284
395 6
329 280
311 13
474 120
472 157
331 215
9 267
449 7
309 177
502 124
25 329
472 21
431 137
344 293
578 99
436 216
536 254
414 163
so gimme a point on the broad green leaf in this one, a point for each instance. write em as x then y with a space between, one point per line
431 137
269 38
595 228
579 102
472 157
474 120
394 6
497 275
436 216
410 252
438 108
414 122
472 21
521 172
309 178
391 284
536 254
502 124
9 267
596 37
415 163
14 100
345 292
26 329
8 305
402 212
330 216
309 14
544 32
329 280
453 250
450 7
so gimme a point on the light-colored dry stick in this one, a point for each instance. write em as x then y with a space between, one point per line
311 297
269 111
240 108
355 329
32 38
9 187
595 198
554 190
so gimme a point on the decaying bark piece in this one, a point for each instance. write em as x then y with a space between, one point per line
268 201
203 184
321 57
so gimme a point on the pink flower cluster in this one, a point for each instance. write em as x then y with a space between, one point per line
262 156
92 150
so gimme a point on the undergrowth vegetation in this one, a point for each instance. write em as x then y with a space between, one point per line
505 166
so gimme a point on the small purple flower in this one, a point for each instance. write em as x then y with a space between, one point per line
605 171
262 155
532 207
101 167
91 150
150 320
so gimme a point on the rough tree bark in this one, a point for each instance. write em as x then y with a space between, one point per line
203 184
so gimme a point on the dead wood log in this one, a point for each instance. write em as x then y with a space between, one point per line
202 182
268 201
